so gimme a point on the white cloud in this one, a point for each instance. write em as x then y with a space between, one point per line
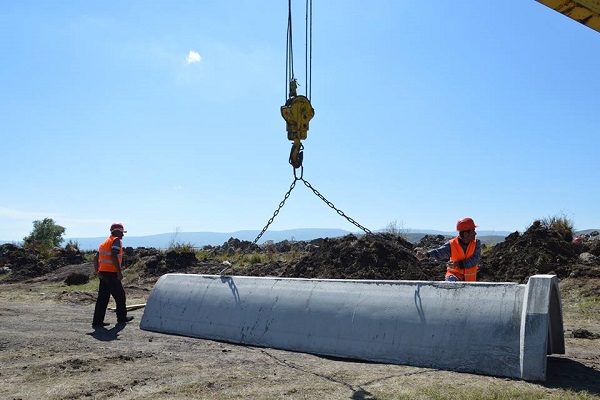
193 57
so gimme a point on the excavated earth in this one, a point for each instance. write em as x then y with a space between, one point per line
49 350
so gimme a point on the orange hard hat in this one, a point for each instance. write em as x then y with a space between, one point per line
117 226
465 224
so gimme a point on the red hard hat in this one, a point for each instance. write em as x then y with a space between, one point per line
465 224
117 226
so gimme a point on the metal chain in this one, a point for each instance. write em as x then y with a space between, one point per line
281 204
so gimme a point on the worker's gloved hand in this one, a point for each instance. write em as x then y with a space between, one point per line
450 264
421 255
119 275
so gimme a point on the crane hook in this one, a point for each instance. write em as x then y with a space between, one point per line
296 154
297 113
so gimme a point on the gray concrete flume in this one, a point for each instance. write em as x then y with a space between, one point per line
499 329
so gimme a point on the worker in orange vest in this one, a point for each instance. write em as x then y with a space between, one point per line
463 253
107 265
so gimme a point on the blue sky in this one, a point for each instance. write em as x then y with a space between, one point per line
166 115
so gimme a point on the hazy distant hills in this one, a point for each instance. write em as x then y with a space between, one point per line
200 239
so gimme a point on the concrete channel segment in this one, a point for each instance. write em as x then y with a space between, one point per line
500 329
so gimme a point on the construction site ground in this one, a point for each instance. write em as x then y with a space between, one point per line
49 350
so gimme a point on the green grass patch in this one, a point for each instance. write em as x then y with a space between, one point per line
61 287
581 308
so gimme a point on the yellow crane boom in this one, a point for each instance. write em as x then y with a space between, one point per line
586 12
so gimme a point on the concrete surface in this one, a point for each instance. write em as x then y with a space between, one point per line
500 329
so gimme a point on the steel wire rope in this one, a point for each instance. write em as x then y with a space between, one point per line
308 49
289 56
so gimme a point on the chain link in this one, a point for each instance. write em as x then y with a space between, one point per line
281 204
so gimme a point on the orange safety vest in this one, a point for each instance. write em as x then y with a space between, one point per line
458 254
105 260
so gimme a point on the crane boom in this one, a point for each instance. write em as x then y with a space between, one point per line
586 12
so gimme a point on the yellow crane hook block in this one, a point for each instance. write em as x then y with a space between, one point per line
297 113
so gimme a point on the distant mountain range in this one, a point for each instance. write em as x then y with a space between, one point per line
200 239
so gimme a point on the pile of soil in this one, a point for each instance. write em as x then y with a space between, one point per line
380 256
25 262
539 250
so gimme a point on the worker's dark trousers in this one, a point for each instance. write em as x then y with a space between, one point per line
109 285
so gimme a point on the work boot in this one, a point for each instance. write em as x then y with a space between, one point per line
126 320
100 325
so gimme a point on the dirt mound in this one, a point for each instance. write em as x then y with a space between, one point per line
539 250
590 243
27 263
14 258
379 256
67 274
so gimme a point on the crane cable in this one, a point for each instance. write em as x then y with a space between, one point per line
289 60
297 110
308 49
289 55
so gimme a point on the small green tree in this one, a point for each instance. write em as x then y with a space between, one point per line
45 233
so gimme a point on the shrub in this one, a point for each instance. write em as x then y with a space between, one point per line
177 245
397 229
182 247
561 224
46 233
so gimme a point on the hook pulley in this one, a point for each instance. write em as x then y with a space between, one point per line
297 113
